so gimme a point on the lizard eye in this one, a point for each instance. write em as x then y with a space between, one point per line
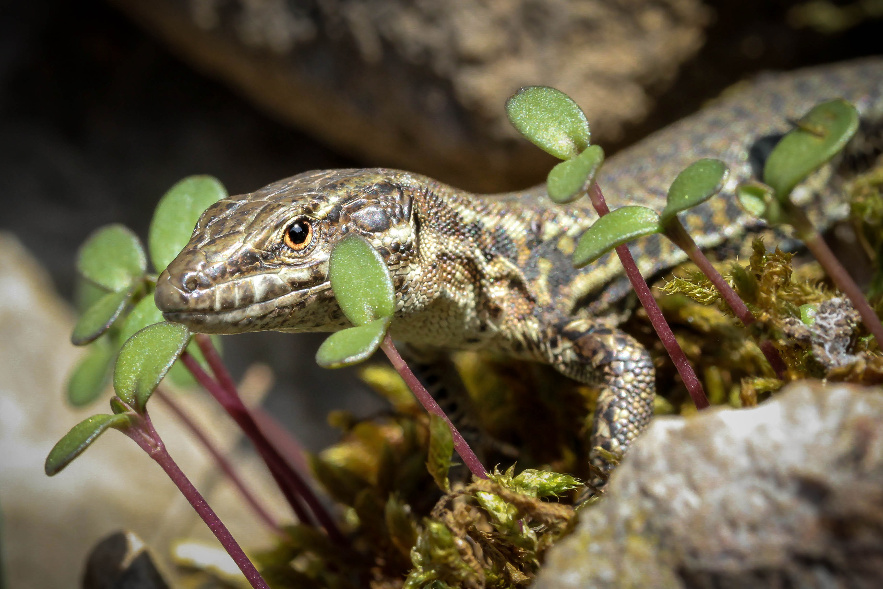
299 235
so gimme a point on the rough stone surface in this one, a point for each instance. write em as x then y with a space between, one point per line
788 494
50 525
421 85
831 334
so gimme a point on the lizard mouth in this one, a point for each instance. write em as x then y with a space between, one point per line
258 302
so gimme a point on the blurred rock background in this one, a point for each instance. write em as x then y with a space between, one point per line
103 106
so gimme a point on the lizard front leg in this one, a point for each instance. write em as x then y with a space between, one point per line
606 357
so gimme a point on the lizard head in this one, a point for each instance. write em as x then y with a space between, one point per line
260 261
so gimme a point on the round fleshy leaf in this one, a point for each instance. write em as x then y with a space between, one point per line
79 438
176 216
181 376
759 201
144 360
353 345
550 119
612 230
819 136
92 375
567 180
100 316
360 280
117 406
87 293
112 257
697 183
144 313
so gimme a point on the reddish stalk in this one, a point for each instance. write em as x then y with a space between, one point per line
290 481
220 459
143 433
221 396
469 458
676 232
688 376
281 438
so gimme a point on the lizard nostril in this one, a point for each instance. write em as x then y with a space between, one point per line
190 282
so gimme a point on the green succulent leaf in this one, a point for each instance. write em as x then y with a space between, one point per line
697 183
567 180
550 119
98 318
441 448
360 280
179 373
79 438
543 483
353 345
176 216
92 374
819 136
112 257
760 201
144 360
146 313
87 293
614 229
118 406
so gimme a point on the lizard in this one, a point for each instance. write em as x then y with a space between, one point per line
494 272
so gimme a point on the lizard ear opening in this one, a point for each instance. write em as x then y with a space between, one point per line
406 201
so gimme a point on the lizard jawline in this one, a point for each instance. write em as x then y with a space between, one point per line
269 314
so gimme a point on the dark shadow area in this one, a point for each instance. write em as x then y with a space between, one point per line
97 121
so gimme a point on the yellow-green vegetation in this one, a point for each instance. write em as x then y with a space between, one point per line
405 527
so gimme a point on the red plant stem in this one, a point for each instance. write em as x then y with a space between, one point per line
469 458
676 232
281 438
688 376
147 438
221 396
291 478
220 459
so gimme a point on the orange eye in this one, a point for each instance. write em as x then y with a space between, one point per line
298 235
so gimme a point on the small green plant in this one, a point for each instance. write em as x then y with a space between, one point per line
129 340
564 124
363 288
819 135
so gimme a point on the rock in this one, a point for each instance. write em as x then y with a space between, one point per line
121 561
50 525
788 494
831 335
422 85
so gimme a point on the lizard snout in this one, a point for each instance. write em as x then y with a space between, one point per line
174 292
180 286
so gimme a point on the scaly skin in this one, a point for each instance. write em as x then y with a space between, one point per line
493 272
